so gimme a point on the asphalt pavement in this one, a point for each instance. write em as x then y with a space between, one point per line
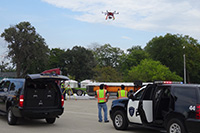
80 116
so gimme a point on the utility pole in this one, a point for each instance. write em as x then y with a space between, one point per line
184 65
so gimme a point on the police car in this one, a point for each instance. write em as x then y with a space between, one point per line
172 106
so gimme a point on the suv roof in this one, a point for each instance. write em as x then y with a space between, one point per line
39 76
47 76
174 83
182 85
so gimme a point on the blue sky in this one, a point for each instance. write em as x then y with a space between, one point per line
67 23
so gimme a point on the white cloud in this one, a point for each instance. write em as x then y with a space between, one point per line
174 16
126 37
3 49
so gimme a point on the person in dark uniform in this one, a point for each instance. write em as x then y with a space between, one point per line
131 94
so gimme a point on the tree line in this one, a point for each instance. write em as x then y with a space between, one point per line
160 59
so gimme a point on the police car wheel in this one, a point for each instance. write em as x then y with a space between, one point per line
175 126
120 120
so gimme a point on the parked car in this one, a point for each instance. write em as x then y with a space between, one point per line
174 107
37 96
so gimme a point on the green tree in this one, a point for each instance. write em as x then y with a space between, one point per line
169 51
3 66
80 62
192 54
107 55
27 49
132 58
106 74
149 70
57 59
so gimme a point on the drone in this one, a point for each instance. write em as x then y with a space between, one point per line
110 15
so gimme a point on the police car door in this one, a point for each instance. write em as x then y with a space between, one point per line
140 110
132 110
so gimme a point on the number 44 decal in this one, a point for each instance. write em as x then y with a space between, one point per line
192 108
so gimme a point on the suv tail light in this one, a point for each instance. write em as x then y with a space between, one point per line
62 101
21 100
198 111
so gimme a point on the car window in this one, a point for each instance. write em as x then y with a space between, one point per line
184 98
16 86
6 84
12 87
162 91
1 84
187 95
139 94
148 92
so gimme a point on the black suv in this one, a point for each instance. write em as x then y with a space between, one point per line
160 105
38 96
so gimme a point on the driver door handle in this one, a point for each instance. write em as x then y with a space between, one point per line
137 112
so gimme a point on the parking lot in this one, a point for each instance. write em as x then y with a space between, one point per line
80 116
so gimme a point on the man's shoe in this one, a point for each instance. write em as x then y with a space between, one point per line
106 121
100 121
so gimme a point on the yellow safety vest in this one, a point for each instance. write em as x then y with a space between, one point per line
122 94
101 95
62 85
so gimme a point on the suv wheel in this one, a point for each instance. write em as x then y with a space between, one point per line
120 120
11 119
50 120
175 126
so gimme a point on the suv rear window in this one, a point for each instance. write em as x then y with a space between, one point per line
15 86
185 97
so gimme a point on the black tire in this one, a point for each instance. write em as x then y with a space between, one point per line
69 92
50 120
79 92
175 126
120 121
11 119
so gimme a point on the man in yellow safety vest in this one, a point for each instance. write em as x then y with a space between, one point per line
63 89
122 93
102 97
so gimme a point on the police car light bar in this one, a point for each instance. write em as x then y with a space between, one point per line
167 82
